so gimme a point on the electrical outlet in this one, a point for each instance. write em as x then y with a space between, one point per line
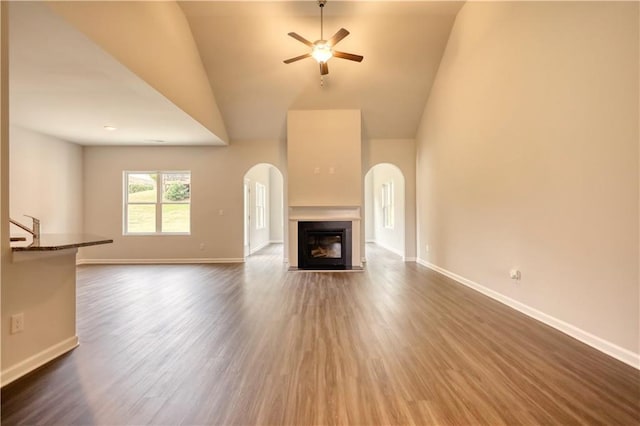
17 323
515 274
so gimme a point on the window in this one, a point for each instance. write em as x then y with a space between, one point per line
157 203
260 206
387 205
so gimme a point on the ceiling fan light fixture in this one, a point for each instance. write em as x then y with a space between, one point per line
321 52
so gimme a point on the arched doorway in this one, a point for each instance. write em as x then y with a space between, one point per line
263 208
384 208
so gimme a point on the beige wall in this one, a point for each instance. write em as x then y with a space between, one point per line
402 154
217 175
41 286
5 250
324 151
46 182
527 157
369 230
45 293
276 206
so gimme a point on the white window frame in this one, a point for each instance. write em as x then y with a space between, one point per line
158 203
261 206
388 205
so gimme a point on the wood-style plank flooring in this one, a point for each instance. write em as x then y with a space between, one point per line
250 344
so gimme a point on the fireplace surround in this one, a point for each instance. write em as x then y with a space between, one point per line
349 216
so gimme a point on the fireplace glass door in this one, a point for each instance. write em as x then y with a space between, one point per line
324 245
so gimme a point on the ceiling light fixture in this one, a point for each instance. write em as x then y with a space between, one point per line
110 128
322 50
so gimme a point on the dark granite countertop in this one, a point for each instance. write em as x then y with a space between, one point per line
49 242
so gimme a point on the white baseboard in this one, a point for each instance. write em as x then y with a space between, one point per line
158 261
410 259
611 349
28 365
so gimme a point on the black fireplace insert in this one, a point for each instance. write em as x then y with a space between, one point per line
324 245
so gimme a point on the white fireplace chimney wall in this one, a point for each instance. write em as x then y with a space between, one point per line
324 150
324 154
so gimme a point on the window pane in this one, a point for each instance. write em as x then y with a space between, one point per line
387 204
141 218
260 205
175 217
176 187
141 187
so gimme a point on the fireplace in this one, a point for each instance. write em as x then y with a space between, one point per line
324 245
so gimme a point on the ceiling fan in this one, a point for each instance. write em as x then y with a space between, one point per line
322 50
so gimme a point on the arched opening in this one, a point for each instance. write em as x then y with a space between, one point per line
263 210
384 208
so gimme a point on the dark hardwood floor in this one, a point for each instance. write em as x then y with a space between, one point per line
255 344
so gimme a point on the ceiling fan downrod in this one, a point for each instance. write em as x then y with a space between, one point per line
321 3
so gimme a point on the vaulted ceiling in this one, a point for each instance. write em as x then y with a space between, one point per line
57 67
